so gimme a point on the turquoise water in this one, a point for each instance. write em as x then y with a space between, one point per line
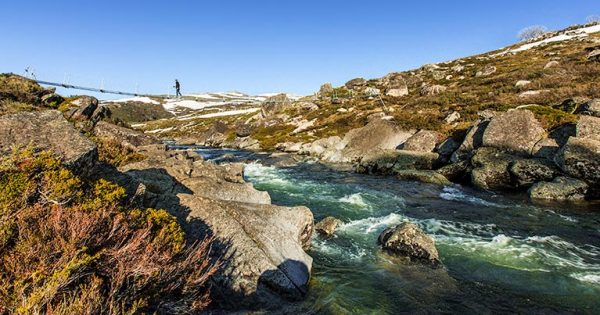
502 254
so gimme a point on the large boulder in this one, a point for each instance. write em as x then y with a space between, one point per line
86 106
580 158
275 104
422 141
48 130
588 127
491 169
376 135
487 70
407 239
562 189
517 131
430 90
327 226
264 252
326 90
526 172
126 137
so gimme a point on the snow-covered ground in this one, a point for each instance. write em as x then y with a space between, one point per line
568 35
138 99
220 114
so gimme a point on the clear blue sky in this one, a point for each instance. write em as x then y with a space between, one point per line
257 46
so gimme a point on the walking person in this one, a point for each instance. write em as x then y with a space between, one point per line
177 89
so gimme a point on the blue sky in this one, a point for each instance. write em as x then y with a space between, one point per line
257 46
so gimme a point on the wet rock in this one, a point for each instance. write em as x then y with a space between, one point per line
456 172
392 161
408 240
588 127
327 226
422 141
424 176
376 135
491 169
517 131
473 140
527 172
48 130
580 158
561 189
591 108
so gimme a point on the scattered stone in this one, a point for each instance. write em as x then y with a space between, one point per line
408 240
243 130
397 92
422 141
580 158
430 90
327 226
551 64
371 91
561 189
452 117
588 127
487 70
522 83
458 68
517 131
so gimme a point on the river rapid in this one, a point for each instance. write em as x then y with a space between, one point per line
502 253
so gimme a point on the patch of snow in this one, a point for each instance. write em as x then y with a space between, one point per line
229 113
582 32
139 99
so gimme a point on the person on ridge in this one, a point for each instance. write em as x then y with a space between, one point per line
177 88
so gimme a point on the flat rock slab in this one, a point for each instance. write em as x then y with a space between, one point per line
48 130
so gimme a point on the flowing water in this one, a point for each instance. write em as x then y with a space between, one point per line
502 254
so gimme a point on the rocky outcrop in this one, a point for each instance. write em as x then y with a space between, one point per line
430 90
422 141
327 226
517 131
126 137
408 240
588 127
562 188
48 130
580 158
594 55
85 107
326 90
355 83
275 104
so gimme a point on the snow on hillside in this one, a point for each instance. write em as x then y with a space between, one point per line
139 99
561 36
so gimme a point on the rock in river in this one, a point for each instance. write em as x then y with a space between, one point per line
327 226
407 239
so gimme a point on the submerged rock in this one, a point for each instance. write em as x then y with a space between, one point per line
562 188
408 240
327 226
